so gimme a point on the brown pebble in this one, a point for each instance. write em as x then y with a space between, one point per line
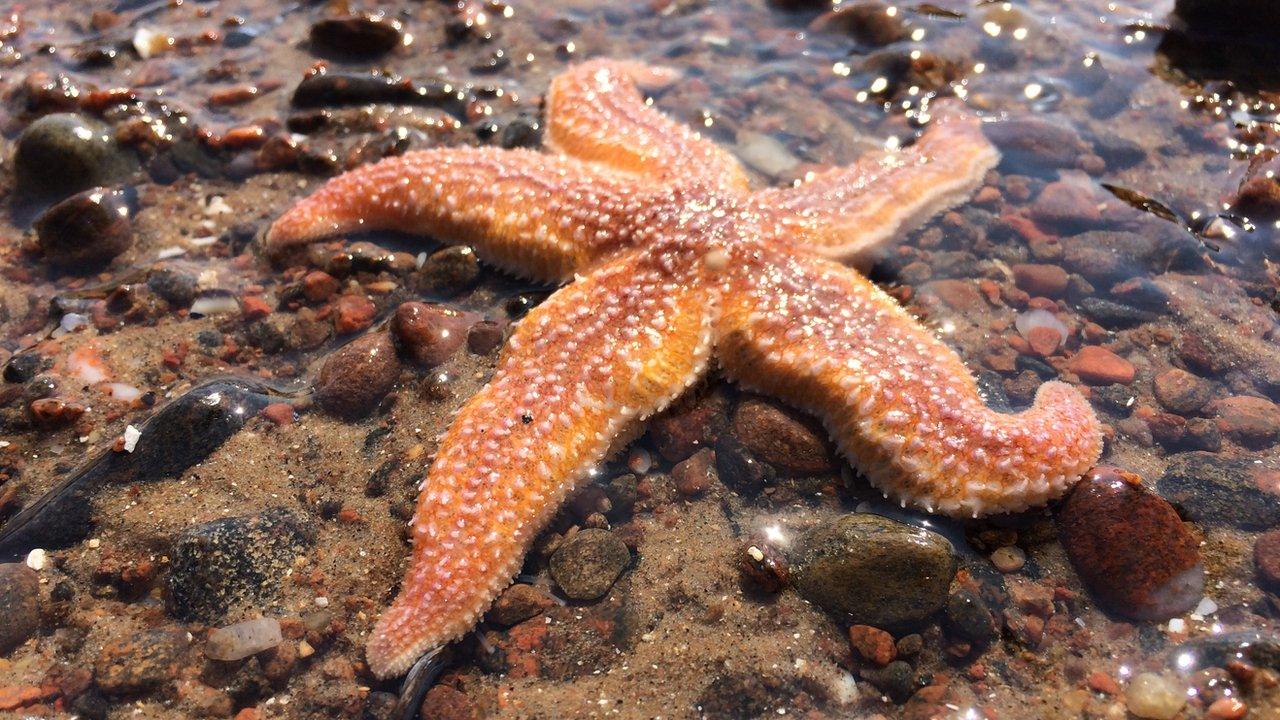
695 474
1266 557
319 285
1044 280
279 413
1065 205
1250 421
484 337
782 437
1181 392
764 566
1097 365
443 702
1130 547
354 379
518 603
694 422
55 412
426 333
1043 341
353 313
873 644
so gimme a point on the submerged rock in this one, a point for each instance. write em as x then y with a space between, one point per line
64 153
356 35
19 605
355 378
787 440
428 334
1223 490
1130 547
586 565
86 229
871 570
142 661
229 564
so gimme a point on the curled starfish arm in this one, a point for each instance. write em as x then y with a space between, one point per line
532 214
592 361
595 112
849 212
899 402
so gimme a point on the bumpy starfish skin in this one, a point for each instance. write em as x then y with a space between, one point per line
674 260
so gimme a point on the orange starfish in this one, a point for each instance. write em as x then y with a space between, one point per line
673 261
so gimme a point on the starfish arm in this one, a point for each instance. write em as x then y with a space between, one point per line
898 401
595 112
580 370
532 214
849 212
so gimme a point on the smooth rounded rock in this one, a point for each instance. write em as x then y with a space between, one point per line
1155 697
789 441
968 617
355 378
86 229
19 605
1097 365
239 641
449 271
871 570
1181 392
428 334
1129 546
64 153
586 565
356 35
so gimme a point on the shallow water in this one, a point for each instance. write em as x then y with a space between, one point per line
1123 155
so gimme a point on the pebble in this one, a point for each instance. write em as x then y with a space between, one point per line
873 644
1106 257
85 230
449 271
1044 280
1251 421
696 421
1097 365
1111 314
967 616
518 603
426 333
484 337
872 24
738 469
1266 558
222 566
175 287
356 35
896 680
764 566
1218 489
141 662
353 313
1009 558
587 564
239 641
443 702
1155 697
1032 140
19 605
789 441
1181 392
318 286
1065 205
1130 547
696 474
64 153
355 378
872 570
1226 708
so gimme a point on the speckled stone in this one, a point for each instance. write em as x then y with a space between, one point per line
586 565
1130 547
1223 489
789 441
871 570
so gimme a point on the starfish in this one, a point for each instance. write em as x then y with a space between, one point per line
672 261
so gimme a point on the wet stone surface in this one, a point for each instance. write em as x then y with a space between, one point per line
223 567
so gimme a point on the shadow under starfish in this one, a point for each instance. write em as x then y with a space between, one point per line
672 261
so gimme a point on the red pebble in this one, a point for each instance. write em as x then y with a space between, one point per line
1099 366
873 644
353 313
254 307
